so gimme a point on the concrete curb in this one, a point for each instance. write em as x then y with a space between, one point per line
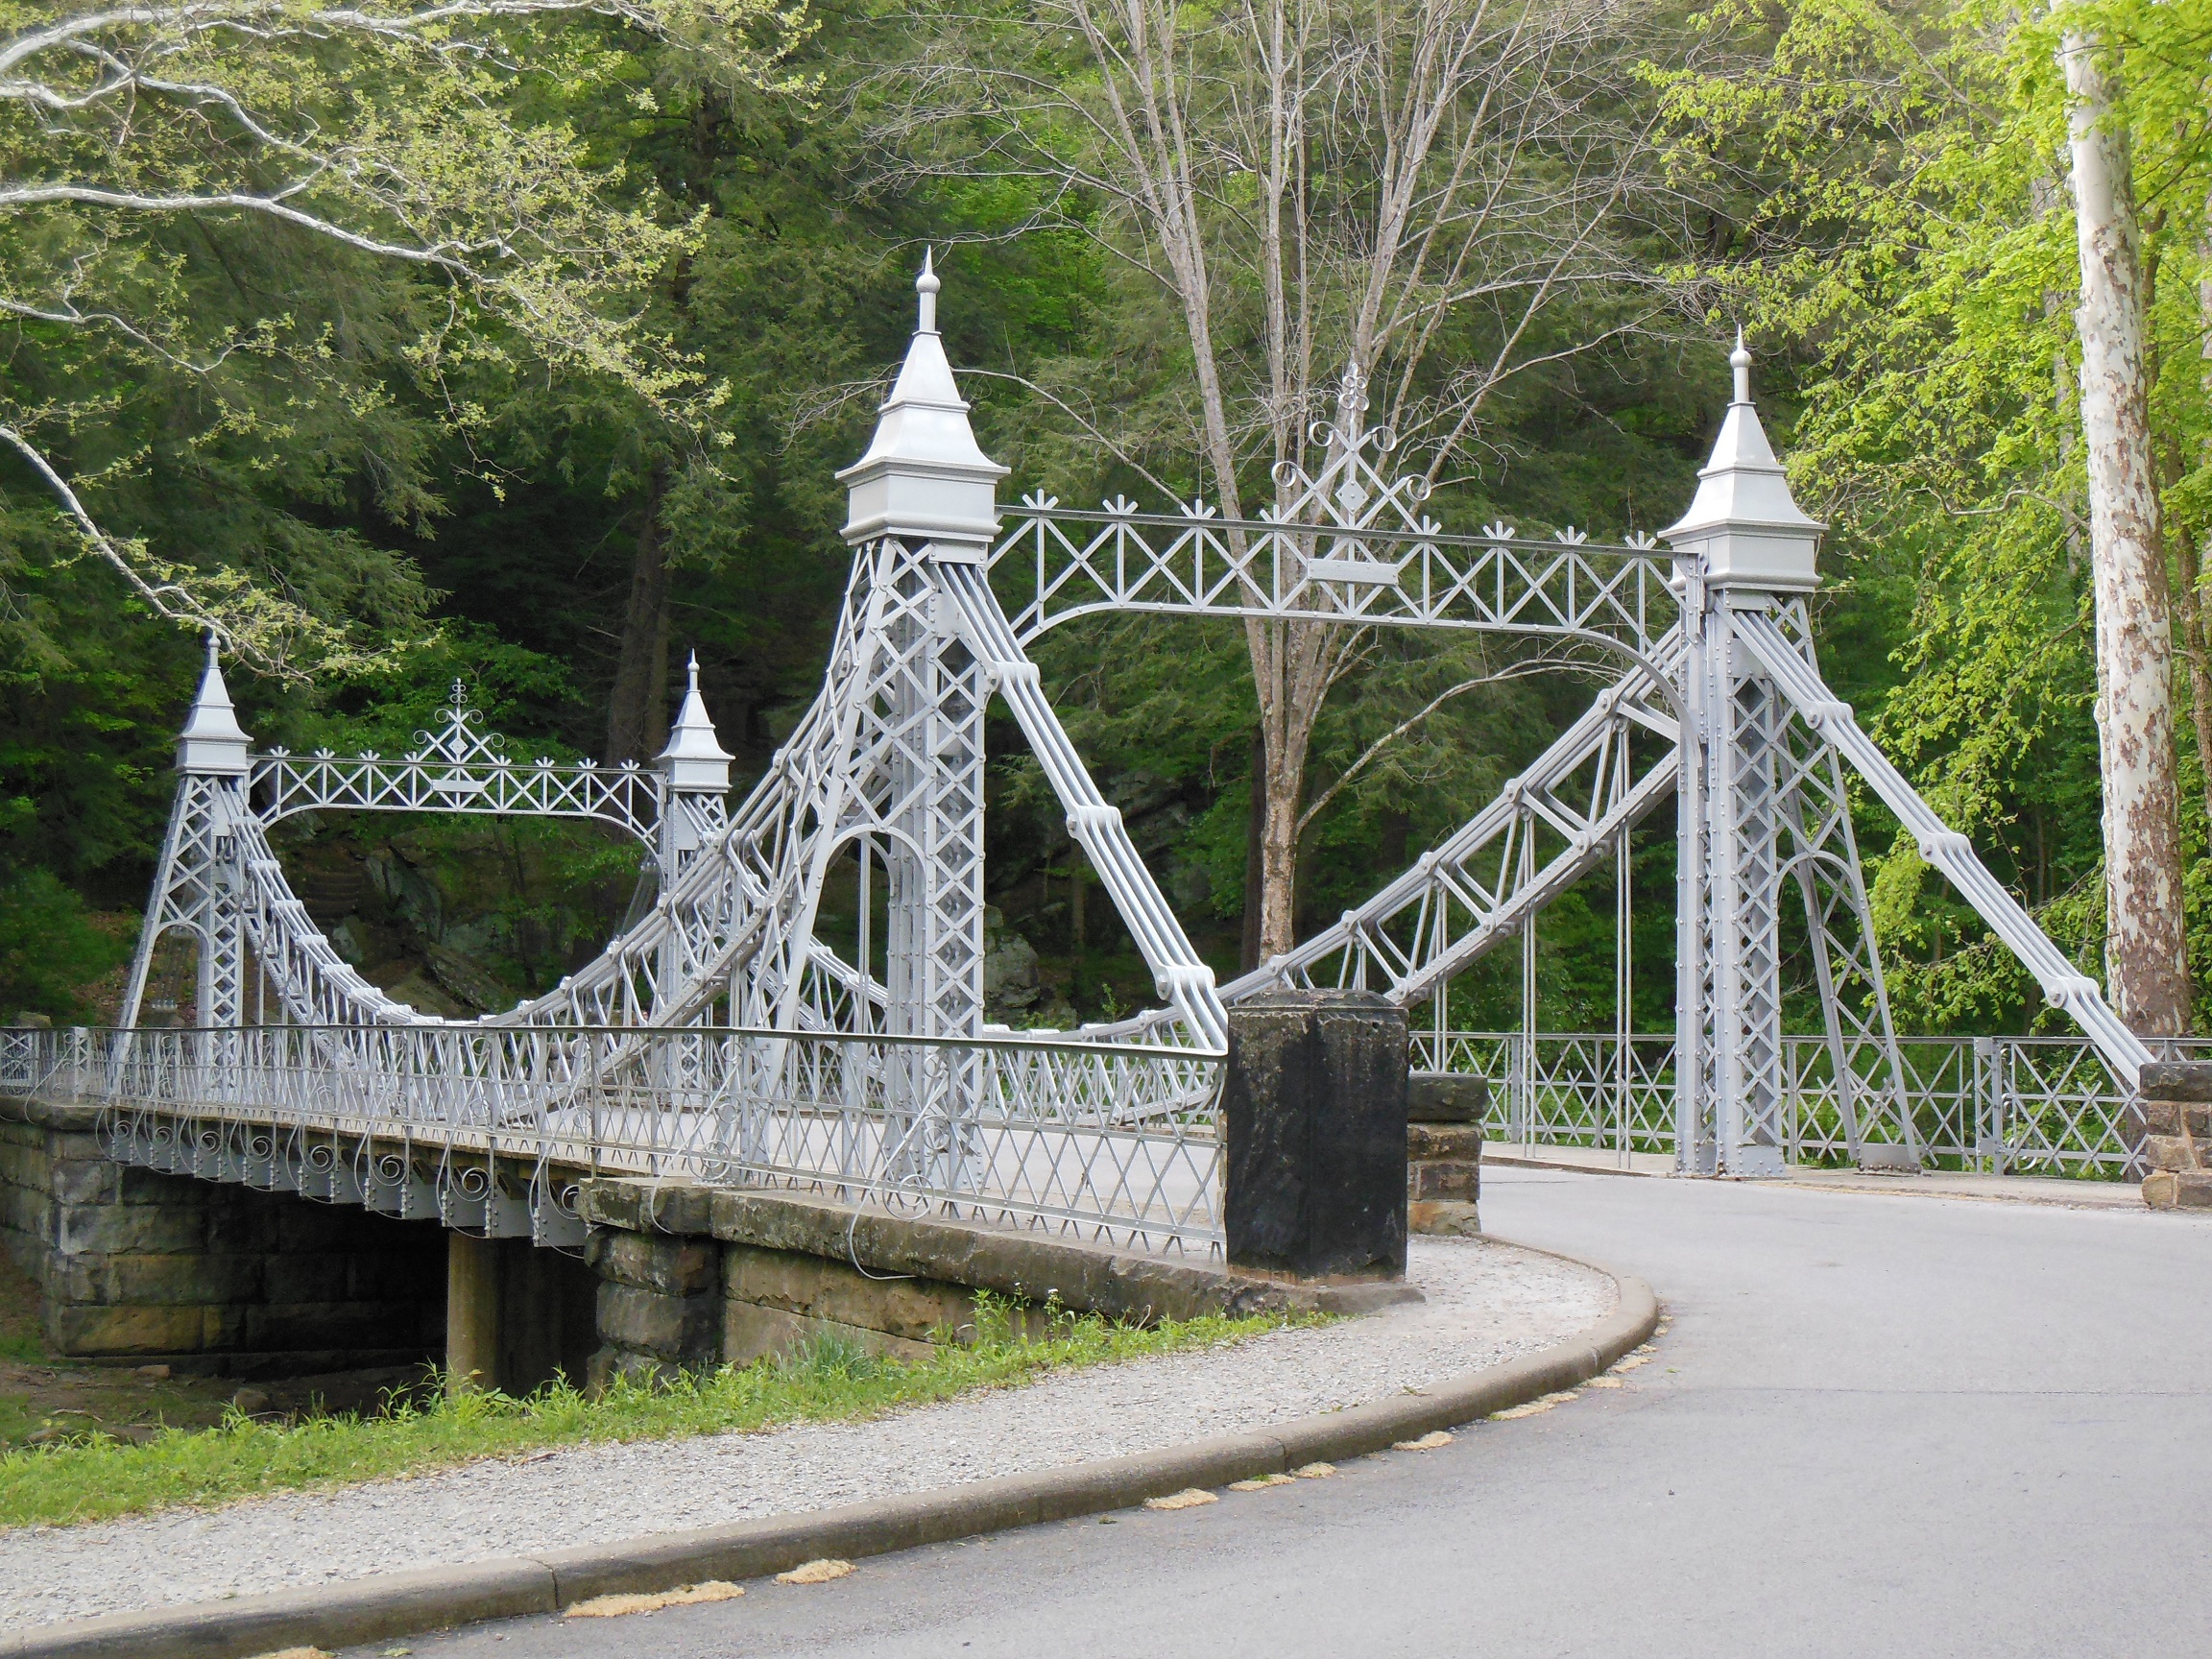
401 1603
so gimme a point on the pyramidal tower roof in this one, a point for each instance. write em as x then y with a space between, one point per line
694 758
923 477
1743 518
212 740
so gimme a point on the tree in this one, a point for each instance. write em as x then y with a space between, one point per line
1993 420
1429 197
2145 936
158 163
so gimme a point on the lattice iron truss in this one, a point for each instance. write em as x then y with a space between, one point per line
1718 702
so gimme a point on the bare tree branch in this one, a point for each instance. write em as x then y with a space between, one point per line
1543 663
404 148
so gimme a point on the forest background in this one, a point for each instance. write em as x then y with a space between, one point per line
673 246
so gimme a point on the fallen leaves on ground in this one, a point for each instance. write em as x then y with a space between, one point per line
1260 1484
1534 1406
652 1601
816 1572
1315 1470
1427 1442
1189 1497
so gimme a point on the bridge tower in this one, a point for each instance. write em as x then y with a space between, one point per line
922 497
1759 802
199 884
695 770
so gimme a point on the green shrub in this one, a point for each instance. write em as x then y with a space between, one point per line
49 947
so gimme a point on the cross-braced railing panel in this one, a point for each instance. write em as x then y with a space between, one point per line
1107 1142
1568 1090
1996 1105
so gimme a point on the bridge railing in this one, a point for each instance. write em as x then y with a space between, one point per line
1995 1105
1107 1140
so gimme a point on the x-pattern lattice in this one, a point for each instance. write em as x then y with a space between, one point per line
458 768
1347 545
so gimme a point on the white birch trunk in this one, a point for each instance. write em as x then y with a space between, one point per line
2146 947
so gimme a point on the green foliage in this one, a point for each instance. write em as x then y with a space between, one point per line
825 1380
1892 208
253 252
48 947
404 474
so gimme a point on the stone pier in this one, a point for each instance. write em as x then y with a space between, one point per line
2177 1134
693 1277
1444 1113
208 1277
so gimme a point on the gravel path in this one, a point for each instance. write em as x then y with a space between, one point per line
1486 1303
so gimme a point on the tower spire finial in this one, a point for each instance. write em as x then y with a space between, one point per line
927 286
1744 524
923 477
694 758
212 740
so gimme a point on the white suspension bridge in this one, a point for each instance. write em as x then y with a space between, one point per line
721 1040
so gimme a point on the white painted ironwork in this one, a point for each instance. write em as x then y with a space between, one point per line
492 1128
2064 986
1347 545
462 768
721 1038
1992 1105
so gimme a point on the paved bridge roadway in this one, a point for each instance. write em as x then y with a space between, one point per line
1881 1425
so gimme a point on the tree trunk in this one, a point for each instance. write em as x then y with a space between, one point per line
2200 684
1255 831
2189 613
1293 675
1077 931
2197 563
638 706
2146 946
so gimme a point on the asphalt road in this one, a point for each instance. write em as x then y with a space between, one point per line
1879 1426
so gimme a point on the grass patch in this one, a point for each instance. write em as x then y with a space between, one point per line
826 1380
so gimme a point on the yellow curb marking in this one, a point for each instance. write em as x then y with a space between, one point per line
652 1601
816 1572
1534 1406
1189 1497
